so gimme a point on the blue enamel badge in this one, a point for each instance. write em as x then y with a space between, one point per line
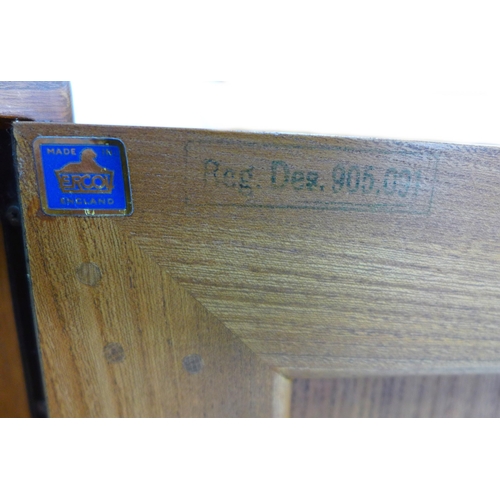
83 176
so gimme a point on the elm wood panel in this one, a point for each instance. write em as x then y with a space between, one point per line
13 397
39 101
316 292
411 396
115 335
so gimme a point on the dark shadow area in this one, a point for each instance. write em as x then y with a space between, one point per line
11 220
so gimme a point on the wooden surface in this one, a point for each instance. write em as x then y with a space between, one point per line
13 397
40 101
410 396
294 279
134 343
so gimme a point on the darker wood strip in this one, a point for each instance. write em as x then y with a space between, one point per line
38 101
13 398
424 396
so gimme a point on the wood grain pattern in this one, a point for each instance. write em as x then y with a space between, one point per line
40 101
13 397
157 324
367 289
442 396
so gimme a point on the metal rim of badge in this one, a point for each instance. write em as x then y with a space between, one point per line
83 176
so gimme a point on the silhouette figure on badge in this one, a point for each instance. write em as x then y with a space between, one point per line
86 164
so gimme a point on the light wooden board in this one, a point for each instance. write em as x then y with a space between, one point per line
352 257
438 396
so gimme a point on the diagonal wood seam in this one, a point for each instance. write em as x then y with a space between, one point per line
164 269
280 392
